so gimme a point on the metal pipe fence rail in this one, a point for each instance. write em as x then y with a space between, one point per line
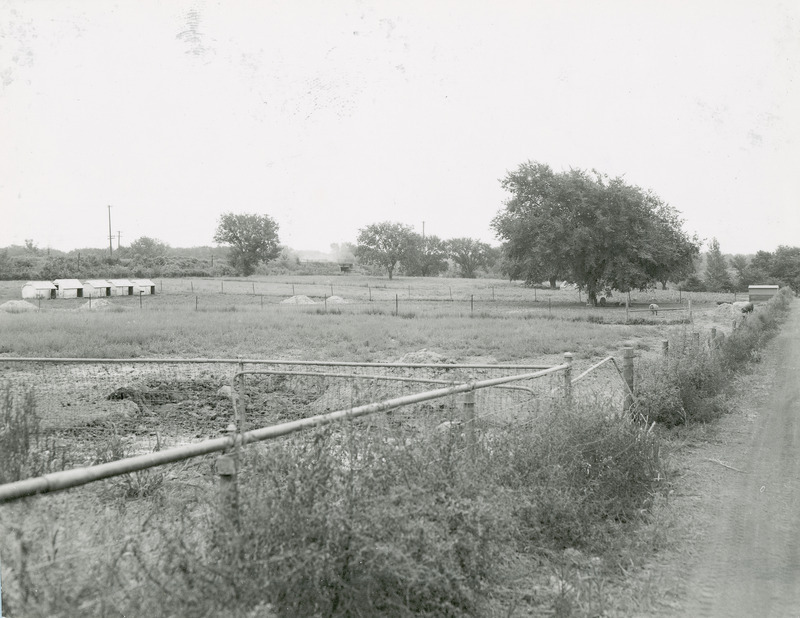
81 476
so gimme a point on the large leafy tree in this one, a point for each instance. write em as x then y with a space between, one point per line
427 256
786 266
252 238
740 264
147 247
469 255
590 229
717 278
385 244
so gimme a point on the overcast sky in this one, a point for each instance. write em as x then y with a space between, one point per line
331 115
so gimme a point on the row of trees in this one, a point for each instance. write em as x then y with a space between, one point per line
583 227
739 271
388 245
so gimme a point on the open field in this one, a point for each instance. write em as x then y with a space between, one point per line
118 527
502 320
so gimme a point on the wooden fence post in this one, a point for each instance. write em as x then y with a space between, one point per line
628 376
468 416
690 311
696 338
471 304
713 336
665 347
568 378
369 289
196 300
396 304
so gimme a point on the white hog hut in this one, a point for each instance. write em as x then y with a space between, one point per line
39 289
121 287
68 288
143 286
757 293
96 287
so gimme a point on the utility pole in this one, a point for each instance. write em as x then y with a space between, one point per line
110 235
423 230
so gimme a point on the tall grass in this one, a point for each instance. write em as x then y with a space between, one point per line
691 383
25 450
351 521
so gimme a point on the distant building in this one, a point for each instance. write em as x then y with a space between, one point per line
121 287
39 289
68 288
96 287
143 286
761 292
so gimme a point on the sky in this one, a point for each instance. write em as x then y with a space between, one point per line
333 115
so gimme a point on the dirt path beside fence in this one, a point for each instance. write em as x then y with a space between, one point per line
738 500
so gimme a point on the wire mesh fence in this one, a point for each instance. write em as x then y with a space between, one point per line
105 549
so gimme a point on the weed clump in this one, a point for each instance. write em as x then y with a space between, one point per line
690 384
24 449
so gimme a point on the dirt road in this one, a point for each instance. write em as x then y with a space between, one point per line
746 490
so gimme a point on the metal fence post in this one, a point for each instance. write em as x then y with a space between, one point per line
226 467
240 402
468 414
568 378
627 375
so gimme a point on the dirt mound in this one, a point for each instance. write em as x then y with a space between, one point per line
424 356
726 310
300 299
96 305
337 299
18 306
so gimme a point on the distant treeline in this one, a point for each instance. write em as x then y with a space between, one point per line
31 263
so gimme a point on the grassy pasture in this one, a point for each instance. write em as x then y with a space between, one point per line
493 318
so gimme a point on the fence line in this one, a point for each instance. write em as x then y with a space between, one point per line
81 476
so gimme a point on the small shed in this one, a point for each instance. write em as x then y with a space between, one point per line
345 267
761 292
96 287
143 286
68 288
38 289
121 287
